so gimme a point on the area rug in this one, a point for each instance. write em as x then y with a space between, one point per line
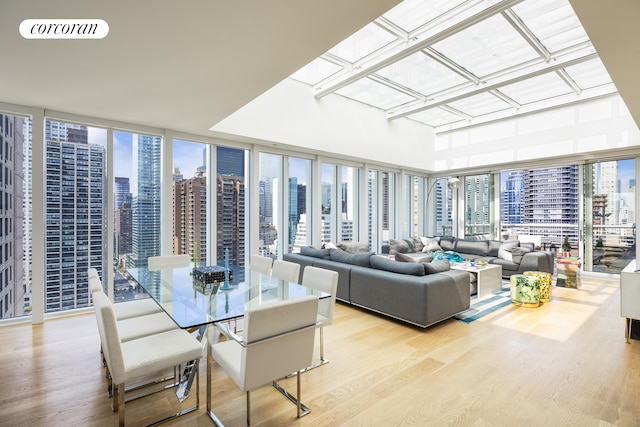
487 305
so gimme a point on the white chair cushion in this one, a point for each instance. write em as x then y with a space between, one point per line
139 307
157 352
142 326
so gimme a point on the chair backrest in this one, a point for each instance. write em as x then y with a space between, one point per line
95 285
261 264
109 336
322 280
280 339
168 261
92 272
286 270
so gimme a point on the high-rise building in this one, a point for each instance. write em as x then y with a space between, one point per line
190 217
123 216
76 215
230 219
230 161
549 200
293 211
145 189
13 288
512 195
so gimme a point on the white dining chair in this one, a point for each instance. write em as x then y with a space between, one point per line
168 261
323 280
278 339
126 309
286 270
144 356
260 264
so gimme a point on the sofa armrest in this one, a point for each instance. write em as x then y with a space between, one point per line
537 261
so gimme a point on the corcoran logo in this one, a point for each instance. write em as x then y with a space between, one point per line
64 29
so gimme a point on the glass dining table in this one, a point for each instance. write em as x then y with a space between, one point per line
194 305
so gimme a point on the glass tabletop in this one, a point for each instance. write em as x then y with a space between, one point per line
190 303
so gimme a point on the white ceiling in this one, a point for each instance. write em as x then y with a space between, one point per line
178 65
187 65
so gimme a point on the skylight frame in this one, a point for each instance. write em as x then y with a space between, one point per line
456 80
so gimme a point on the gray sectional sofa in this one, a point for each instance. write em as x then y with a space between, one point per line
416 293
515 257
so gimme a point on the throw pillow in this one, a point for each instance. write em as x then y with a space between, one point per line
430 244
504 253
436 266
329 245
409 258
518 253
417 244
399 247
354 247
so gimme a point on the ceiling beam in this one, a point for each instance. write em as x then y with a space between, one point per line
538 68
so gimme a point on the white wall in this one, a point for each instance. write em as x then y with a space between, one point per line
588 130
289 114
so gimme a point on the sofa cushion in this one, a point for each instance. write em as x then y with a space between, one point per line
436 266
504 253
518 253
430 244
472 247
382 263
314 252
494 247
529 245
361 259
447 243
417 244
354 247
506 266
401 246
413 258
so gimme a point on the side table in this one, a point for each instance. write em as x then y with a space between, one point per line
568 269
489 277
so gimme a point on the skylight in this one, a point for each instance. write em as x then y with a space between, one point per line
451 64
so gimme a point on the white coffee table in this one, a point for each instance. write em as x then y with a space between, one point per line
489 277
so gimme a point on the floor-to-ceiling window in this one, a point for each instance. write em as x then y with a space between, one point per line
271 204
231 208
443 194
477 203
76 212
328 229
610 218
382 207
15 216
299 203
414 204
137 205
189 180
348 215
541 204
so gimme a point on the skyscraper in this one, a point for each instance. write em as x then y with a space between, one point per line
76 215
145 189
190 216
12 286
123 216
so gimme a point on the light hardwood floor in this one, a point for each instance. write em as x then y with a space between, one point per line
563 364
